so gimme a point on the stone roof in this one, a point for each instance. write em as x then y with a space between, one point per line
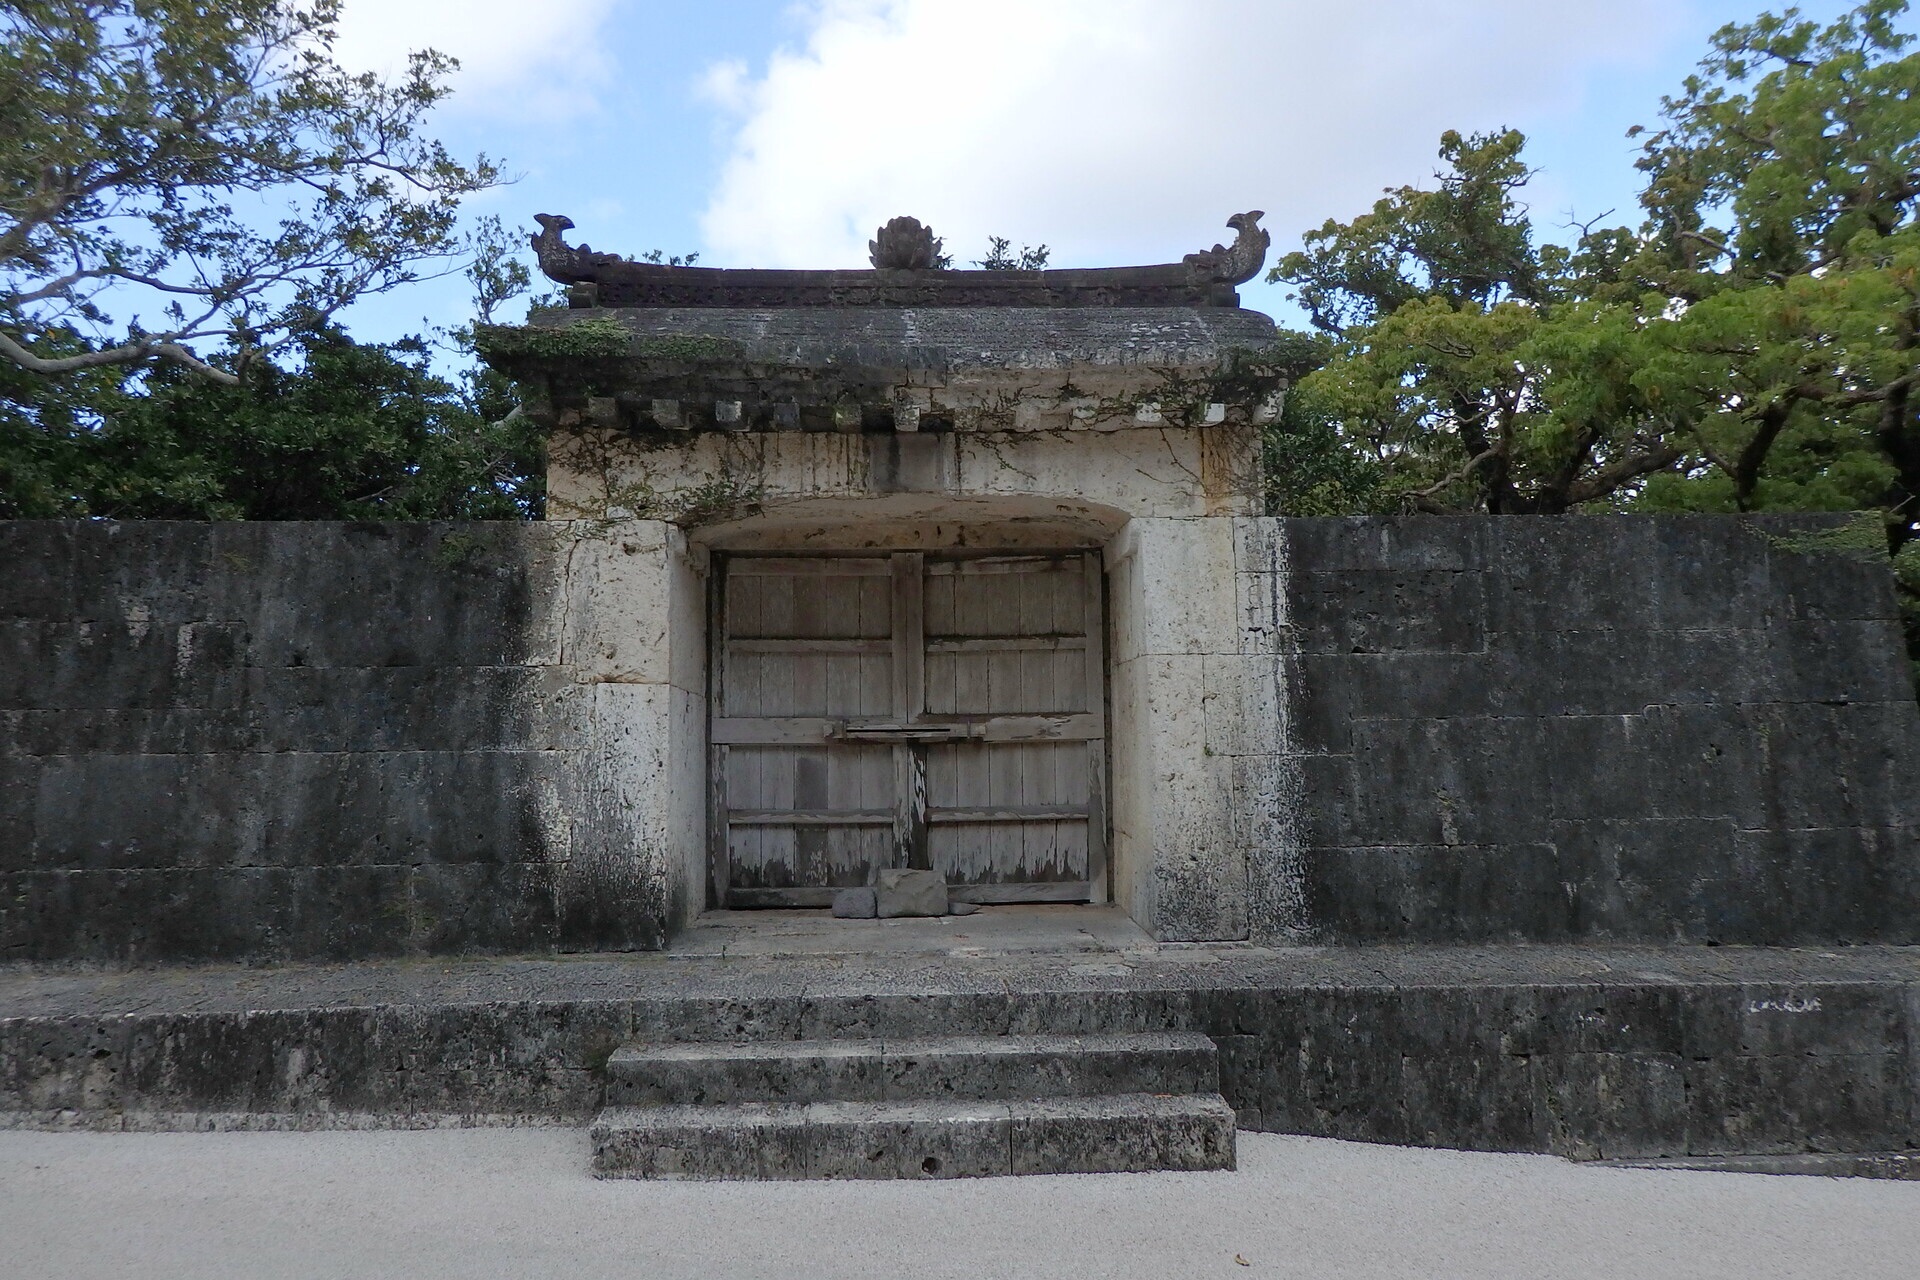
905 273
905 346
812 367
935 340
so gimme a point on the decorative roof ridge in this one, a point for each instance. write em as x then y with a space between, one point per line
904 274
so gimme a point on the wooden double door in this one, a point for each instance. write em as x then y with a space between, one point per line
908 710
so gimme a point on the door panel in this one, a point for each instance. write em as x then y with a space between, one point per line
909 710
807 643
1012 636
1009 814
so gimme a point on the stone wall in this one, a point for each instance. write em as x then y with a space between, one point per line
1675 729
339 740
277 741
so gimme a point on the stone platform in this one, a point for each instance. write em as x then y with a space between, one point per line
1591 1052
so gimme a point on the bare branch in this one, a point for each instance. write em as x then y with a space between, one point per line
126 353
1473 464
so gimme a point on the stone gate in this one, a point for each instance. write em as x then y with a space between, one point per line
965 571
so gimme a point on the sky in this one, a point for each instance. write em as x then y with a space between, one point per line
769 133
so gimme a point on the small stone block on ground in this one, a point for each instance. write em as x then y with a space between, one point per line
855 904
902 892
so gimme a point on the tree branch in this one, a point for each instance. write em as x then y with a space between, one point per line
1421 498
126 353
1615 474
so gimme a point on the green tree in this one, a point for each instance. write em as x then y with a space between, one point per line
1465 372
1467 241
1751 346
1781 199
328 429
173 171
1310 468
40 419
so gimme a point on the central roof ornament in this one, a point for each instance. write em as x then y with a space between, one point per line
908 271
904 245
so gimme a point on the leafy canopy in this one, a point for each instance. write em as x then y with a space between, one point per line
180 170
327 428
1750 346
1443 378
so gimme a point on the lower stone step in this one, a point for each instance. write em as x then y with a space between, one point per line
918 1138
949 1067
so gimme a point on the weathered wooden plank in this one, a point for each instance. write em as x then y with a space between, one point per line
910 846
770 730
810 644
1008 813
809 817
909 645
982 565
1071 838
808 566
1094 607
1058 728
1015 658
806 688
876 620
716 825
876 605
759 856
1005 644
775 730
776 606
1042 855
937 590
1056 891
1001 617
1001 843
717 585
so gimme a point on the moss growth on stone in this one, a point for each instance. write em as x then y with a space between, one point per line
457 550
724 497
600 338
686 348
597 338
1864 536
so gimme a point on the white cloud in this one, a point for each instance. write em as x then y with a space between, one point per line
725 85
1126 130
519 59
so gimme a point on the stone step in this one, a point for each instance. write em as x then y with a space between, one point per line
952 1067
915 1138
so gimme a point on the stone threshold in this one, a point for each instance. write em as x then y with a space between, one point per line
60 991
1025 929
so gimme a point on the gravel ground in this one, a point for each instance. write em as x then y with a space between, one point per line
518 1203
